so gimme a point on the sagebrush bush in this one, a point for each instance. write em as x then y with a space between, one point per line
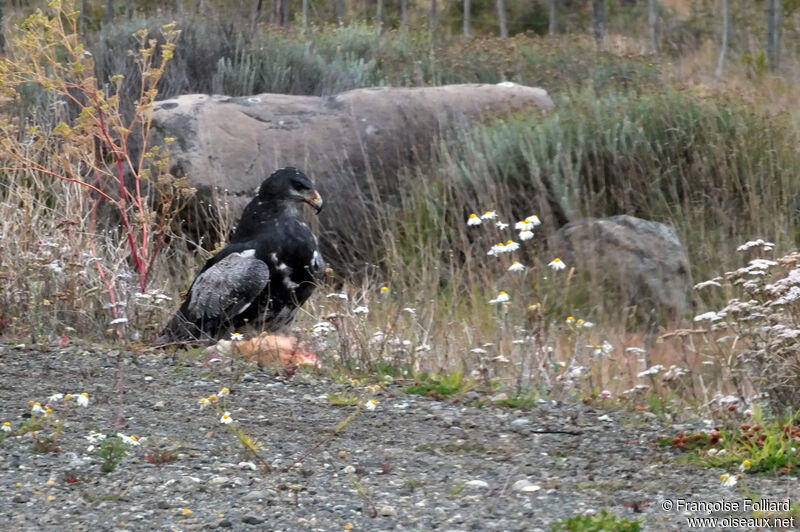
709 167
224 57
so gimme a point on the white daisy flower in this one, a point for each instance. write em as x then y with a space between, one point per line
237 336
511 246
501 225
95 437
524 225
525 235
727 480
37 409
489 215
534 220
602 350
557 264
128 440
502 297
497 249
55 397
370 405
226 418
474 220
516 267
6 427
82 399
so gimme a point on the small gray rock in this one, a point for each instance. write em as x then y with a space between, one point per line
256 495
252 520
525 486
387 511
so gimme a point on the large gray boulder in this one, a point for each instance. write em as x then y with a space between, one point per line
353 144
234 142
640 262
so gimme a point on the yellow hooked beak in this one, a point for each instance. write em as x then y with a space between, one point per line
315 201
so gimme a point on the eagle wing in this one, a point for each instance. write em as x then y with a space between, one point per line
227 288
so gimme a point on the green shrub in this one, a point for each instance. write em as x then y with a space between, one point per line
224 57
711 168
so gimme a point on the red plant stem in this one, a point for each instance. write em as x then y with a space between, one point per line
142 212
324 440
157 249
308 453
80 182
140 266
111 293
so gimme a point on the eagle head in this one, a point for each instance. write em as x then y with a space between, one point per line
290 184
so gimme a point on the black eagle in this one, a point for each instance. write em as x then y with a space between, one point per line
267 271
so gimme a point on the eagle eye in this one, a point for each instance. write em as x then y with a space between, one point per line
299 185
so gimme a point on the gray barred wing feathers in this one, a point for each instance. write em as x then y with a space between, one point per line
227 288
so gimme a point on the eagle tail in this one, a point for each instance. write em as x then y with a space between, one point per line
180 331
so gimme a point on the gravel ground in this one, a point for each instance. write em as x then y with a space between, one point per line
413 463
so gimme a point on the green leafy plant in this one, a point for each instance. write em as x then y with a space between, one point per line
753 448
522 401
344 399
604 521
111 451
442 386
50 442
161 456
